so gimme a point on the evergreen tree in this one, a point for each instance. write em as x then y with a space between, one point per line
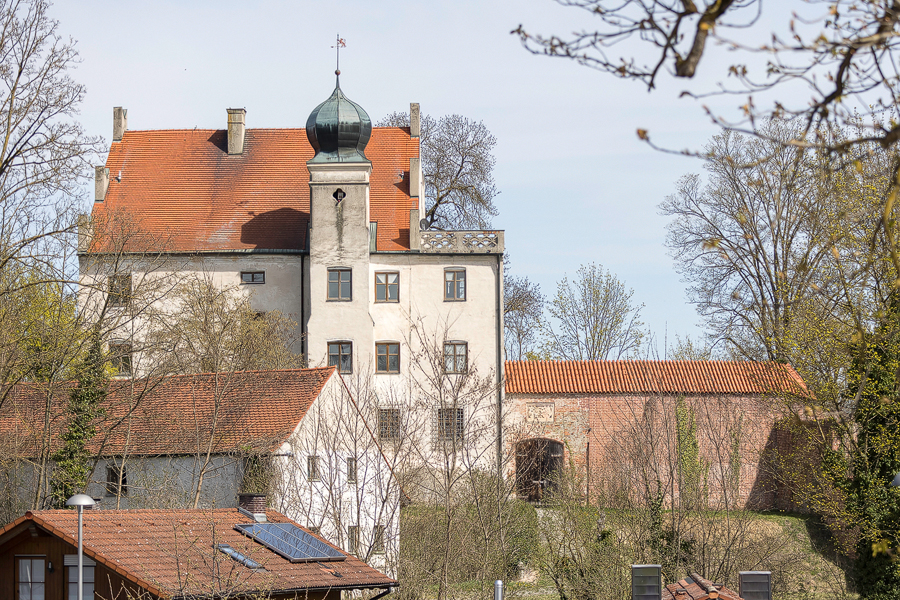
874 380
72 469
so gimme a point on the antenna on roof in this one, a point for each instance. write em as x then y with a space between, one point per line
340 43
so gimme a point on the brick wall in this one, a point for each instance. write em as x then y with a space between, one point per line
625 443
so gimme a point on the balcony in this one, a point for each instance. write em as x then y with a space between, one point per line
461 242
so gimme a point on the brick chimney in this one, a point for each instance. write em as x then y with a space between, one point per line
236 117
120 123
254 505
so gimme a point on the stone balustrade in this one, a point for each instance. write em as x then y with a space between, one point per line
461 242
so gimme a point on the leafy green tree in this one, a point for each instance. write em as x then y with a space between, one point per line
84 408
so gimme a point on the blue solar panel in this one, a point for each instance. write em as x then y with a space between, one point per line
290 541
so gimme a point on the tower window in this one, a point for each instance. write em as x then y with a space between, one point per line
340 355
340 285
387 287
387 357
454 285
338 195
455 357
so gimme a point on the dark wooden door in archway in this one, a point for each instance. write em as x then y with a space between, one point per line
537 461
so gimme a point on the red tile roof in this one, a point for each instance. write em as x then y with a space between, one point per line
651 376
173 415
171 552
697 588
182 186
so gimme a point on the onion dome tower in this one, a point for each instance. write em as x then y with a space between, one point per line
339 129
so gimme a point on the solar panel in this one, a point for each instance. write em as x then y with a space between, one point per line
290 541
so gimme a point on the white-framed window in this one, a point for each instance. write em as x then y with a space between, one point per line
70 562
450 424
258 277
456 357
387 287
340 285
31 576
340 355
454 285
387 357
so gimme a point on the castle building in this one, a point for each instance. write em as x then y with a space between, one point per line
322 224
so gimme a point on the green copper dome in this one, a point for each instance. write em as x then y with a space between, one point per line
339 129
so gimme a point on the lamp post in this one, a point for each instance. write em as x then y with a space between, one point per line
80 500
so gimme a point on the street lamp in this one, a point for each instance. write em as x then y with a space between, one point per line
80 500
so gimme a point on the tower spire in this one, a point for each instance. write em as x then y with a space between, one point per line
340 43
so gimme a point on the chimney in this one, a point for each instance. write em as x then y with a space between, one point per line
646 582
414 120
755 585
415 178
253 505
414 233
120 123
85 233
236 130
101 183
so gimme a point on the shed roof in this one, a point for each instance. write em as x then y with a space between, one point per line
172 415
172 553
182 186
651 376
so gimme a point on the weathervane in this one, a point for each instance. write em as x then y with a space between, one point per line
337 46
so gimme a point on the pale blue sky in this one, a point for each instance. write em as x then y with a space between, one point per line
576 184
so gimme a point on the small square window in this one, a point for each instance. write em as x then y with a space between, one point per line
387 287
253 276
387 357
312 468
120 290
340 355
353 539
389 426
351 470
340 285
454 285
455 357
450 424
120 358
113 487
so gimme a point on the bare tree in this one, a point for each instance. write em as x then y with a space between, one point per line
523 306
593 318
844 52
457 165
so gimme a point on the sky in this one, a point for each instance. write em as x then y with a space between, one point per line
576 184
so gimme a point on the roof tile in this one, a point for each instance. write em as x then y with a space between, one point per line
651 376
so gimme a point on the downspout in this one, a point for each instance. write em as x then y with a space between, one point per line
500 374
386 591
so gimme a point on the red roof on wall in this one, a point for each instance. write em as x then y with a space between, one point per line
651 376
183 187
